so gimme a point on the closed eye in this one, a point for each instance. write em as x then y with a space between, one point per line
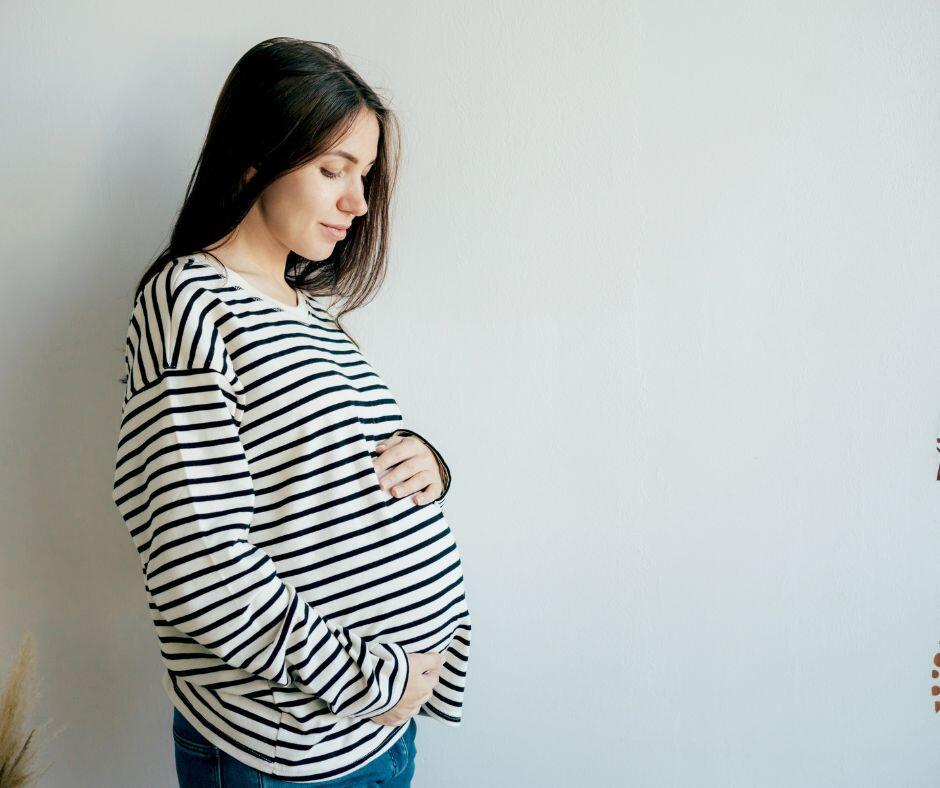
331 175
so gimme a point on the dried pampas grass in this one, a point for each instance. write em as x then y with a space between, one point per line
19 695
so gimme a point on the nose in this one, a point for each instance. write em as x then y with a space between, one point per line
354 202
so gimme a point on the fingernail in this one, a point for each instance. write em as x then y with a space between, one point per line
380 447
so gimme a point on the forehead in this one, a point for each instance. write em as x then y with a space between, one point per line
361 142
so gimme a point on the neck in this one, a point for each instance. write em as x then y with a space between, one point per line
252 249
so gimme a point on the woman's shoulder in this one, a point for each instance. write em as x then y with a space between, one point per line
189 274
195 272
176 317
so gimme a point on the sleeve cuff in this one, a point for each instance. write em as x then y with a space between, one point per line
398 669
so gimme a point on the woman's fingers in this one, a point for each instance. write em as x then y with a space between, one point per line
419 473
399 448
419 483
400 474
425 484
395 448
392 440
406 465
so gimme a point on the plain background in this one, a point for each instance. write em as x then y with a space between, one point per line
663 289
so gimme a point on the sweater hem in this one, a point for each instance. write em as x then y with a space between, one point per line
258 760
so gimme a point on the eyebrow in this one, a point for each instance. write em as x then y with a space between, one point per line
346 155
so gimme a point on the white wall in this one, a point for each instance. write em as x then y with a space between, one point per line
664 289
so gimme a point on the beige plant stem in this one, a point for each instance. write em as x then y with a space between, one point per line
19 696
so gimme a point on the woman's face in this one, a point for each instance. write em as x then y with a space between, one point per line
327 190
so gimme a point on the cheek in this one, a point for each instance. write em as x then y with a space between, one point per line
314 198
291 206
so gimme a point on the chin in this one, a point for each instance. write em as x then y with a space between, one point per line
315 253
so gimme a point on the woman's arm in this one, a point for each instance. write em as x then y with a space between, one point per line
183 486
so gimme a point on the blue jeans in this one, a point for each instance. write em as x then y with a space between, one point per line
200 764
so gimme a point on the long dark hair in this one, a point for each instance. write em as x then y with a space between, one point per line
284 103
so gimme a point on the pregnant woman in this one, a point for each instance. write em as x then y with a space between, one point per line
305 587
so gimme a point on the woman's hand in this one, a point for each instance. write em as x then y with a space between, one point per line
415 470
424 670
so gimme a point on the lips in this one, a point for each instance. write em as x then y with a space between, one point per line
333 232
336 226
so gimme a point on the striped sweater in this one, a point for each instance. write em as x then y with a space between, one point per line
285 585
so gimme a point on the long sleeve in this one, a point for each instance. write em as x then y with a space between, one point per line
183 486
442 466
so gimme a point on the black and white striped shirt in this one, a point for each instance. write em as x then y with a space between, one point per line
285 585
